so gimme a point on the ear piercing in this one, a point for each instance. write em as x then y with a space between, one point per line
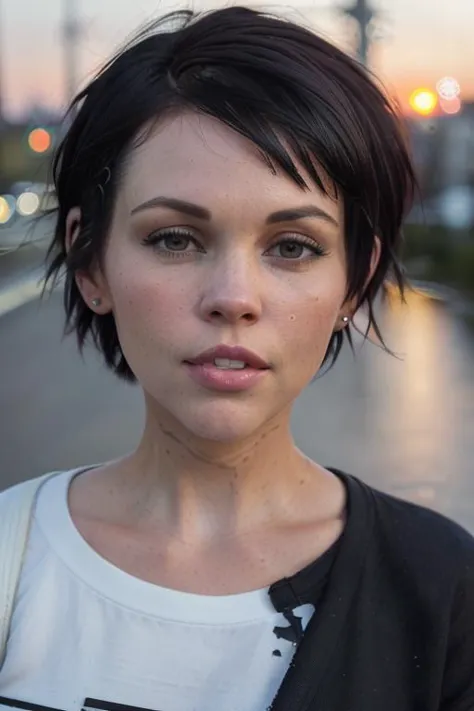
96 302
345 319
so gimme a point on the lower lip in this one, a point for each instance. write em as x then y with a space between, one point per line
230 381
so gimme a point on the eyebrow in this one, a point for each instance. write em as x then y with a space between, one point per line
299 213
202 213
188 208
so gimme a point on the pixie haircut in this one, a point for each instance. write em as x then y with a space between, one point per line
297 98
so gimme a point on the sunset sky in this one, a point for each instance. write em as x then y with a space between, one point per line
423 40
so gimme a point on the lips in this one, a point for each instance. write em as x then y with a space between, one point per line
252 360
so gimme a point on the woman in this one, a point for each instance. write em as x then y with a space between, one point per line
231 191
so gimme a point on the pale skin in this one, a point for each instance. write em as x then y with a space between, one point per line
216 499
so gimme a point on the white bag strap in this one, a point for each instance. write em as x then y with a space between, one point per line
16 508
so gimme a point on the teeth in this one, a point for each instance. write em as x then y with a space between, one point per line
227 364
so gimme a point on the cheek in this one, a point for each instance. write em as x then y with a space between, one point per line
147 303
310 331
308 321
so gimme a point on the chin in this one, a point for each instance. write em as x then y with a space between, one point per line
222 422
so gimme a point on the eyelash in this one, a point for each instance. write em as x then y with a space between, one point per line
155 237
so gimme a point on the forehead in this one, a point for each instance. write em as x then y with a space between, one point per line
198 158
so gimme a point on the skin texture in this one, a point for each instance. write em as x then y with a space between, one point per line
216 498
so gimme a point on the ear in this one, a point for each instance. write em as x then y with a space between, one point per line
92 285
349 307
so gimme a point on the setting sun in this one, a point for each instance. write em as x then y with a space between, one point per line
423 101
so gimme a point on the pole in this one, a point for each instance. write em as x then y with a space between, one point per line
362 13
71 31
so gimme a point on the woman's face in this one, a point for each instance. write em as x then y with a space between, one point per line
209 247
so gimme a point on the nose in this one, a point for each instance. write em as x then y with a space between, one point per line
232 292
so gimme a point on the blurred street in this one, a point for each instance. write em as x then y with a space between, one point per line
24 231
22 253
405 425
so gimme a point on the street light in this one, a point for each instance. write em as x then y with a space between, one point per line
39 140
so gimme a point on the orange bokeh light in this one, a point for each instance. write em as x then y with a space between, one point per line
423 101
39 140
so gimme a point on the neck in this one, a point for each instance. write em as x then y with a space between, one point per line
198 489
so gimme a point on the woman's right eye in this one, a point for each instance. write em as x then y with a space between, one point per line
173 242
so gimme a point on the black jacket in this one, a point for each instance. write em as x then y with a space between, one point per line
394 623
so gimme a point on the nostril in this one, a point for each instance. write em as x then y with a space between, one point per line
232 315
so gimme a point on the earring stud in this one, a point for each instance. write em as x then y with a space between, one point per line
345 319
96 302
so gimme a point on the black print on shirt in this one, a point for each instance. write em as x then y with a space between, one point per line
110 706
294 632
88 705
16 704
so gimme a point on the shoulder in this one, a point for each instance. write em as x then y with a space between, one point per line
427 552
16 490
417 544
24 493
418 531
19 491
405 526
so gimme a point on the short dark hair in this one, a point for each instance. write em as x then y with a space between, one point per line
290 92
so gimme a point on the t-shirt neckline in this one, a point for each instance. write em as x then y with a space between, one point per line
53 517
54 520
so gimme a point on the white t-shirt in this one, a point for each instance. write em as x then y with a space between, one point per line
86 635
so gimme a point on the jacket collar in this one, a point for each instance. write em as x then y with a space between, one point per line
308 667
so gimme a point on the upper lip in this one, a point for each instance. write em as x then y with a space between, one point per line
230 352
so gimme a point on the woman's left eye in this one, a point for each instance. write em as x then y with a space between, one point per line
296 249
